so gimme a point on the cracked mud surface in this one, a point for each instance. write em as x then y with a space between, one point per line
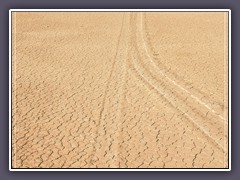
119 90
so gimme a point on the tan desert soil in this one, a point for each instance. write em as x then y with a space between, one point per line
119 90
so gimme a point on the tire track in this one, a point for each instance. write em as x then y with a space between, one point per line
111 73
149 79
106 149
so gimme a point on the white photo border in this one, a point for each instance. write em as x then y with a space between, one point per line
119 169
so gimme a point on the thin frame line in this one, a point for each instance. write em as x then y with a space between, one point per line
137 10
15 88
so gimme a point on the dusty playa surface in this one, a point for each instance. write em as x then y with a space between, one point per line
119 90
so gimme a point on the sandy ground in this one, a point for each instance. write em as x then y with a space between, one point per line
119 90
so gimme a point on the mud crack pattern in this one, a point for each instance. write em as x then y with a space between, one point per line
119 90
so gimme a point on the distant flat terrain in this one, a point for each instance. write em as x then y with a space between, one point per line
120 90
